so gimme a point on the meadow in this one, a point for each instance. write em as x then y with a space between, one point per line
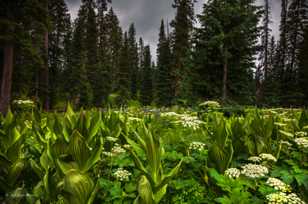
143 155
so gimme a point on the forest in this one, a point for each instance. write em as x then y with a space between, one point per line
231 56
90 113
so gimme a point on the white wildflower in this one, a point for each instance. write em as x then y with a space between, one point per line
254 170
301 134
277 198
302 142
294 199
254 159
278 185
268 157
108 154
190 121
233 173
122 174
198 146
117 150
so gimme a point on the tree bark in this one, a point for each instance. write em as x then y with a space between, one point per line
224 81
6 85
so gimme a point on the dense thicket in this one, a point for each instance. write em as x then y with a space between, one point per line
232 56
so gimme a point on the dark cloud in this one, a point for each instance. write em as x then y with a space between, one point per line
147 14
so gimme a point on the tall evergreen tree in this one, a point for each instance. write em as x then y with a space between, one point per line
297 18
225 49
181 41
124 73
303 69
163 81
58 39
133 60
146 93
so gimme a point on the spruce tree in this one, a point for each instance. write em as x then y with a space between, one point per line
133 61
225 48
303 70
163 81
181 44
58 39
146 93
123 88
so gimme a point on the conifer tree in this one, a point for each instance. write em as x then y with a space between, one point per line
133 60
146 93
225 49
183 25
303 69
58 39
163 81
123 88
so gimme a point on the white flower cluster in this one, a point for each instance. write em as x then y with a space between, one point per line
301 134
117 150
122 174
198 146
302 142
277 198
294 199
254 170
283 198
190 121
233 173
254 159
279 185
268 157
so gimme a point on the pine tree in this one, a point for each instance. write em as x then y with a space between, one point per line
22 38
146 93
225 49
123 88
303 69
297 18
181 45
262 71
133 61
163 81
59 37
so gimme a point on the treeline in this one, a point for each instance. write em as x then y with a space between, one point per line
230 56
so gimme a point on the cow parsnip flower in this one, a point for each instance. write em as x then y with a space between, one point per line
122 174
233 173
301 134
254 159
294 199
169 114
254 170
268 157
190 121
279 185
117 150
277 198
302 142
197 146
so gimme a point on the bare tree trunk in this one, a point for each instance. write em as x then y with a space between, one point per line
6 85
224 81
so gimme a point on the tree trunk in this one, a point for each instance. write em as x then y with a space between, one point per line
6 85
224 81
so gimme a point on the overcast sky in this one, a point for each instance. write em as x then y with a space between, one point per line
147 14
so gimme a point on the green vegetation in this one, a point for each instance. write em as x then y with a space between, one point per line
138 155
